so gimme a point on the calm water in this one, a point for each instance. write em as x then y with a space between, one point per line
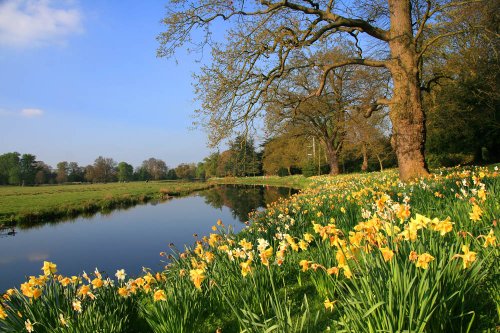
128 239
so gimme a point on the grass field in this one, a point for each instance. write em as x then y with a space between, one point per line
353 253
39 203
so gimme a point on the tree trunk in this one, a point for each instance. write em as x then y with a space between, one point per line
406 112
364 166
333 159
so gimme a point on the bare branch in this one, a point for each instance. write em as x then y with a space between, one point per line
354 61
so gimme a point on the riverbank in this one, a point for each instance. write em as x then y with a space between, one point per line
34 204
54 202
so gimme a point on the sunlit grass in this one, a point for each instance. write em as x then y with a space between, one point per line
34 204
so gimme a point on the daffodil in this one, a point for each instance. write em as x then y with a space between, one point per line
77 305
387 253
304 264
197 276
423 260
329 304
49 268
159 295
3 314
120 274
476 213
490 239
97 283
84 290
29 326
123 292
62 320
468 257
246 267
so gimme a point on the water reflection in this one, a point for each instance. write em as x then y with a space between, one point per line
241 200
128 239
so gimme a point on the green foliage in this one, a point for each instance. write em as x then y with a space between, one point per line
125 172
309 169
448 159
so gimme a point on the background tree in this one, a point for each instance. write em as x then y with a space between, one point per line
463 106
43 174
27 168
200 171
10 172
171 175
186 171
156 168
102 171
62 172
75 172
244 160
125 172
265 35
286 151
210 164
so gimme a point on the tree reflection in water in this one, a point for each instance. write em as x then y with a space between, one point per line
243 199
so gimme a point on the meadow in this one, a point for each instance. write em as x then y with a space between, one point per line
32 204
352 253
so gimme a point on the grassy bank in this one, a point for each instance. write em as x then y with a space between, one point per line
355 253
28 205
297 182
42 203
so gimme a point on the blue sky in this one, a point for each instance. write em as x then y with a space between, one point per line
81 79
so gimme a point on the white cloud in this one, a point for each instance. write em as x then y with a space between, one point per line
32 23
26 113
30 113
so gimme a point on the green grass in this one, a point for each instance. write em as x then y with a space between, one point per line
41 203
297 182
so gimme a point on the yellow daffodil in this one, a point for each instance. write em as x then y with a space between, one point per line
49 268
77 305
423 260
29 326
97 283
387 253
329 304
84 290
197 276
304 264
490 239
347 272
246 267
37 293
468 257
413 256
62 320
159 295
308 237
123 292
476 213
245 244
3 314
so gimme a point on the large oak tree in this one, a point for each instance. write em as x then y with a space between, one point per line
265 34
